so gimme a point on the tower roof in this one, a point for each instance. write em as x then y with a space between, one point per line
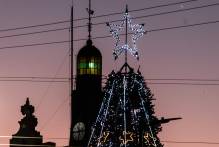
89 50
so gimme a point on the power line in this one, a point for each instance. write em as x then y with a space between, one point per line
104 15
166 141
162 29
25 77
34 44
163 13
107 36
104 77
52 81
176 11
101 23
184 26
31 33
169 141
191 142
26 145
183 83
34 26
37 81
142 9
184 79
151 83
54 114
34 79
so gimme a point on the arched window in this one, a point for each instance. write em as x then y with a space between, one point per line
89 65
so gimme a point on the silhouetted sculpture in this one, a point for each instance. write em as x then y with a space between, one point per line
27 135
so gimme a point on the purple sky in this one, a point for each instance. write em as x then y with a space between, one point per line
186 53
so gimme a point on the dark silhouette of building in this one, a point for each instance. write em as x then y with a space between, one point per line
86 98
27 134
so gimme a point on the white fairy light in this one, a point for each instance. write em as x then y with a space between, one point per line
137 32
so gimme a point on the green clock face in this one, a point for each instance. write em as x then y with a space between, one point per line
79 131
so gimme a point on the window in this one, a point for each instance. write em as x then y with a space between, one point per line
89 65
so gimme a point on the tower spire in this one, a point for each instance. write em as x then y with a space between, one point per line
90 12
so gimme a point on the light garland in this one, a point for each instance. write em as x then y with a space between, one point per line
148 139
137 31
126 114
104 137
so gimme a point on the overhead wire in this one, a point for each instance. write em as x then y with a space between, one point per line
104 15
107 36
52 81
201 82
104 77
26 145
65 138
192 142
53 114
181 83
101 23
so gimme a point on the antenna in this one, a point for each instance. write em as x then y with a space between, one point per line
90 12
72 72
126 36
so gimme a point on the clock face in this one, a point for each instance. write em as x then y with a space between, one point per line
79 131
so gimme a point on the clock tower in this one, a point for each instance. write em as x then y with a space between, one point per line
87 96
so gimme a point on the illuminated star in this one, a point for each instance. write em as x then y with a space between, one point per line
137 31
149 140
126 137
104 137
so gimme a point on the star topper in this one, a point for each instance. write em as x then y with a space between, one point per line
137 32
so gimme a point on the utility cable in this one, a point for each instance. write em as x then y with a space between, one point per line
191 142
169 142
105 77
54 114
101 23
164 141
36 81
107 36
191 84
26 145
152 83
51 83
104 15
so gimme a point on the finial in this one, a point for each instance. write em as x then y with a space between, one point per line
90 12
89 42
27 101
27 109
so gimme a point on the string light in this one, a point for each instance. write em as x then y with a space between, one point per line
104 138
111 129
138 31
148 138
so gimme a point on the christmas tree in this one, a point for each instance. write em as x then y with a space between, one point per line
126 117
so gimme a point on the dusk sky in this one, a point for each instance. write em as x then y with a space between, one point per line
182 53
